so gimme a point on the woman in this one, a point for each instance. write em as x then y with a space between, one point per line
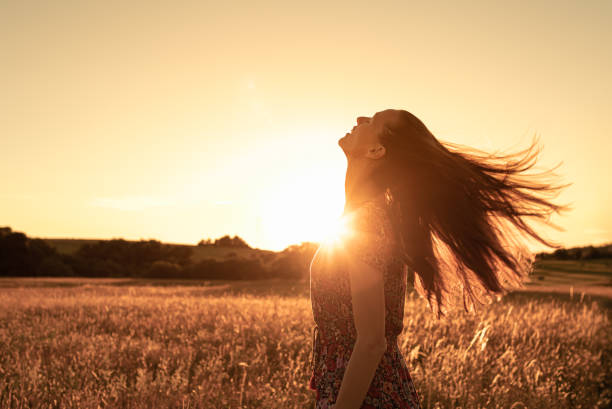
444 217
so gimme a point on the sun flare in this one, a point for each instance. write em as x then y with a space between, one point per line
337 231
307 207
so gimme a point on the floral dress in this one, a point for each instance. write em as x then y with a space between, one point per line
334 331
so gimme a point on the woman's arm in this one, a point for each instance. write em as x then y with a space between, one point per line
368 301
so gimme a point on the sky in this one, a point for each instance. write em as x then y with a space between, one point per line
185 120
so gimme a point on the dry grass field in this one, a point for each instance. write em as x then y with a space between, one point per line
121 343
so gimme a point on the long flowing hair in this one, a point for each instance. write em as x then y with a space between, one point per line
460 214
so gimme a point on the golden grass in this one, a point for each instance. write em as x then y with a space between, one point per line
140 347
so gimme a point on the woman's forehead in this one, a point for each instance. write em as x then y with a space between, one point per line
387 117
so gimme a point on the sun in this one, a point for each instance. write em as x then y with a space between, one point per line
337 231
306 208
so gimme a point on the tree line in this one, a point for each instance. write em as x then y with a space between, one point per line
21 255
225 241
578 253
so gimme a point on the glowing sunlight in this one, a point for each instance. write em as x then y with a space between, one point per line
304 208
337 231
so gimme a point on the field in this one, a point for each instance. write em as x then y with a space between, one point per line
150 343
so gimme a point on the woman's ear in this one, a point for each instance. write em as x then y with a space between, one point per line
376 152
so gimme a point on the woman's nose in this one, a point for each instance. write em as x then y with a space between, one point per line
362 119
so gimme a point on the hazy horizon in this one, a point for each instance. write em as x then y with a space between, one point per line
185 121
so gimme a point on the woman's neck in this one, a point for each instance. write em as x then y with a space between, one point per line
359 187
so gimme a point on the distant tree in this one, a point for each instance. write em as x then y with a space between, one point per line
22 256
227 241
5 231
588 253
239 242
578 253
267 257
235 268
293 261
561 254
163 269
14 255
118 256
54 266
574 253
206 242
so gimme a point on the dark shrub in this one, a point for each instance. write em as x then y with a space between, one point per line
163 269
54 266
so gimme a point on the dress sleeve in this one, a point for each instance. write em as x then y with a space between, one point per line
369 241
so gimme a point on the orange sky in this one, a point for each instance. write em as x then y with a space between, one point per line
183 120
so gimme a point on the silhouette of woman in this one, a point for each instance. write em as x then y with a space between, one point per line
437 216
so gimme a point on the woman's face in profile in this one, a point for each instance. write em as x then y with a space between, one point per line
362 137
